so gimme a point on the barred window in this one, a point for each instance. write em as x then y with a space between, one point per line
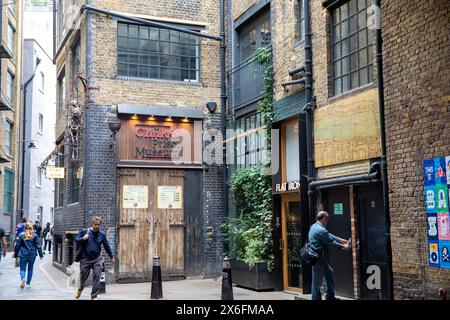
157 53
352 46
249 143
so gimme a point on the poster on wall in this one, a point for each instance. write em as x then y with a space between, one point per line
135 197
170 197
436 173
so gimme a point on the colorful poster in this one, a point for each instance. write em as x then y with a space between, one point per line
430 199
428 172
433 257
444 254
442 198
443 226
432 227
447 169
440 169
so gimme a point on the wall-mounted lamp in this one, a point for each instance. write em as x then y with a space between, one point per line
212 106
114 127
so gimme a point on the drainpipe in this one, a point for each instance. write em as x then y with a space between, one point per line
384 176
54 30
223 101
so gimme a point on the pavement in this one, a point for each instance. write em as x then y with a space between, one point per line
49 283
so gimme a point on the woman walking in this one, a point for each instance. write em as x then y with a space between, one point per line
26 247
48 237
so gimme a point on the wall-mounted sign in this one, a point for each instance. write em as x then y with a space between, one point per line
338 208
170 197
436 174
135 197
287 186
54 172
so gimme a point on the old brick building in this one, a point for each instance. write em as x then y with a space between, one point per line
416 59
117 69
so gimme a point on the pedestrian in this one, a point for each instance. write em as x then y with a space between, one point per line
47 234
26 248
3 240
38 229
19 229
319 240
89 241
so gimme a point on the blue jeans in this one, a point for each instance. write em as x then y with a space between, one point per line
320 270
23 266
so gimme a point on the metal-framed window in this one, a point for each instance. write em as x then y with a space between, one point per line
76 63
301 19
62 92
249 143
156 53
9 137
10 87
352 46
253 35
74 182
11 37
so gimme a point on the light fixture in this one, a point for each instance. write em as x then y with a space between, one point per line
114 127
212 106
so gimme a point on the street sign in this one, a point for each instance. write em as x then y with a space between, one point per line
54 172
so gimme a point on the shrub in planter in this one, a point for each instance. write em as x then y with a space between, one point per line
249 234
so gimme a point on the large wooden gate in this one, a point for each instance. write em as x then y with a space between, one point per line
157 229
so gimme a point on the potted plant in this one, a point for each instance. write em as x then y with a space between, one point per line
249 233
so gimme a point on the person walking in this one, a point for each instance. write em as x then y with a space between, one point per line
90 242
319 240
19 229
38 229
47 234
26 248
4 245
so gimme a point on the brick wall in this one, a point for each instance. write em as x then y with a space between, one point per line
416 80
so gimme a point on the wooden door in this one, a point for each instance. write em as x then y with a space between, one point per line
153 230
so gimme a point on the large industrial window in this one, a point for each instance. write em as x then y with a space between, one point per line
156 53
352 46
249 143
253 35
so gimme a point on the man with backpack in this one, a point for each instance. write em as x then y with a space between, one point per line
89 246
319 240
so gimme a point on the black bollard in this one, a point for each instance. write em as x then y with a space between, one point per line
227 285
156 279
102 280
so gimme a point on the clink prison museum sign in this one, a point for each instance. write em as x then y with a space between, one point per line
158 141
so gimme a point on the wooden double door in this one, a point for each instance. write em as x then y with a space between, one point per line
154 230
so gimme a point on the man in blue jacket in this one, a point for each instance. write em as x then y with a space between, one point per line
319 240
91 240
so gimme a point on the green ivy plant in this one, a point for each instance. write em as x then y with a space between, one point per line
249 234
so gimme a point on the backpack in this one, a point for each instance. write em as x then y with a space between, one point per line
79 248
308 255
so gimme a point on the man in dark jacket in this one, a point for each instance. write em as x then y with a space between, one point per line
91 240
3 241
319 240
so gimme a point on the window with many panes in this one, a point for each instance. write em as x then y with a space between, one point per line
10 88
254 35
9 137
301 19
250 144
156 53
8 196
352 46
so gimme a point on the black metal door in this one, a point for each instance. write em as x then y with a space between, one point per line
374 257
337 204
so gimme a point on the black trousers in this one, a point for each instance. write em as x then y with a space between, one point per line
49 242
85 268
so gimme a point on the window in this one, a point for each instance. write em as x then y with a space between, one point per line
62 93
52 215
9 137
250 142
8 197
11 36
39 177
42 82
61 13
292 156
74 182
301 19
254 35
40 213
76 63
352 46
41 123
60 183
10 88
156 53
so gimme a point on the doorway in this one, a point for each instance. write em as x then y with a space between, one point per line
337 204
291 242
151 222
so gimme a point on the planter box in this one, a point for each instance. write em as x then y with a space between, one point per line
255 278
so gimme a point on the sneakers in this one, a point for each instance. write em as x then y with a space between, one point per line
78 294
94 298
22 285
28 285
